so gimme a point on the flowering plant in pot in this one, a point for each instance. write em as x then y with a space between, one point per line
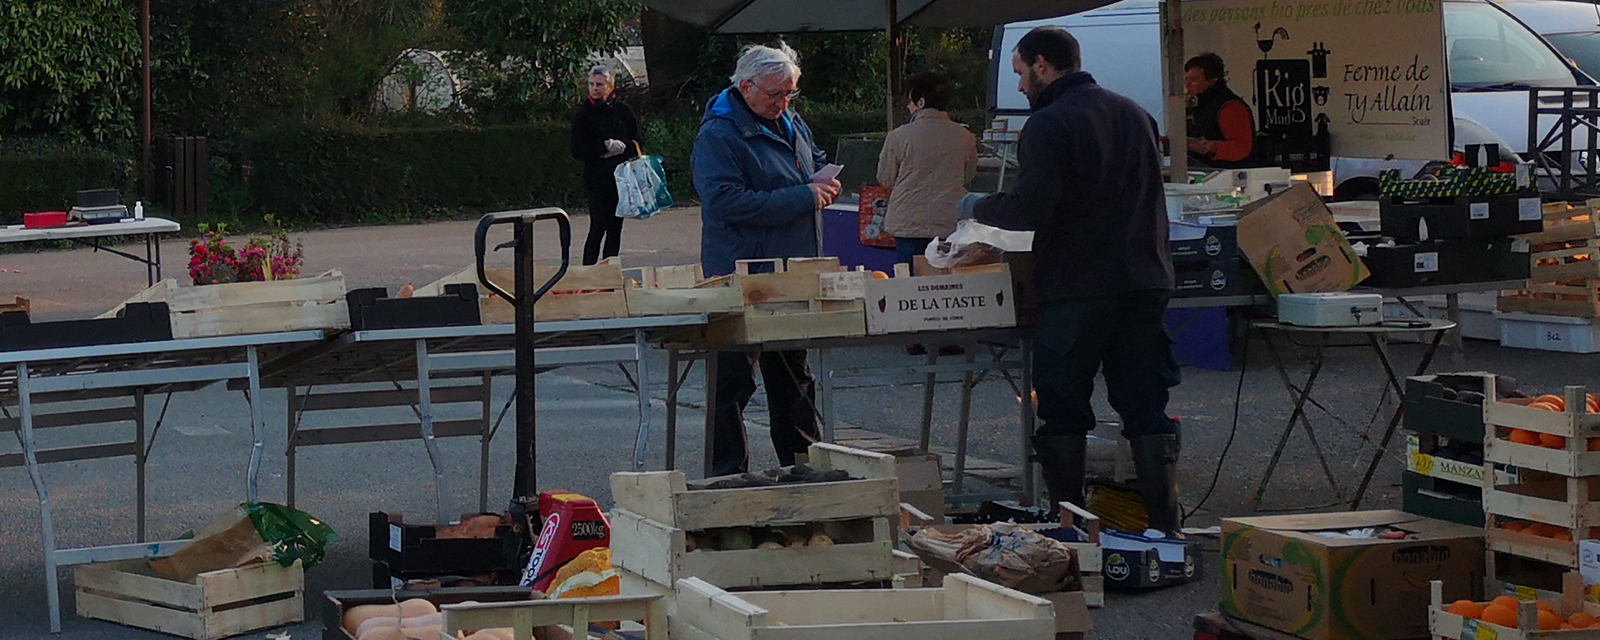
266 256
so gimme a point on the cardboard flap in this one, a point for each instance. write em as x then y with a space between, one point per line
1327 521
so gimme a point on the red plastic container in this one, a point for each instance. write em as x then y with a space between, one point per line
573 524
44 219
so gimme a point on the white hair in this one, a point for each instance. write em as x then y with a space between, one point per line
602 70
758 61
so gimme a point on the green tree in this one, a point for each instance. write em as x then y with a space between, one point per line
353 44
524 58
68 67
222 66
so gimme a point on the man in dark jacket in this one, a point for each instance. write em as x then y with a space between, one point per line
1089 185
604 134
753 161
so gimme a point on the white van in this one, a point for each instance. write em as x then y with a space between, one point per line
1489 98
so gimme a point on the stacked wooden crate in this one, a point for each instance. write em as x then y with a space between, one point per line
591 292
1558 309
239 308
802 298
663 531
684 289
1535 519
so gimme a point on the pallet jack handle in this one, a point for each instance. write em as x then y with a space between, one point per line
525 490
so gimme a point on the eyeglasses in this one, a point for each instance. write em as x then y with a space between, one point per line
776 94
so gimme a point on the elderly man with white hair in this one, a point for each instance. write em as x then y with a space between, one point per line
753 164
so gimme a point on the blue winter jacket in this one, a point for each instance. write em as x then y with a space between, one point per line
754 202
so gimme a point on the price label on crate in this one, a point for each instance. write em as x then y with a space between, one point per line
1427 262
847 285
1421 463
1478 211
1529 209
1474 630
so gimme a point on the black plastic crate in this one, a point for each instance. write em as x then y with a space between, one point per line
1215 243
415 549
1435 404
1461 217
1442 499
1496 259
138 322
1423 264
373 309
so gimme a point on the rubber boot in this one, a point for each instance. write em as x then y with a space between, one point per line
1063 460
1155 458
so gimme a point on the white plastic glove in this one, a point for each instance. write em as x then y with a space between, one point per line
614 148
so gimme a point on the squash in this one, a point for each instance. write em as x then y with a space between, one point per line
354 616
377 622
417 607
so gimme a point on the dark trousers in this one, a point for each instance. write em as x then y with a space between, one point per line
907 248
1124 336
791 396
605 228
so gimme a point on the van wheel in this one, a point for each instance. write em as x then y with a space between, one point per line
1356 189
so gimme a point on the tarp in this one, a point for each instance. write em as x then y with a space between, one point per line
785 16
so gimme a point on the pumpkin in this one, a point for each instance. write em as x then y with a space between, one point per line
1556 401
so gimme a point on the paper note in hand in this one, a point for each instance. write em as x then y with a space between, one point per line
827 173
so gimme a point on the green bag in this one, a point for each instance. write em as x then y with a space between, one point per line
293 534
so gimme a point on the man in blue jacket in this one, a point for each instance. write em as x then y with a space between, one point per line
753 162
1089 185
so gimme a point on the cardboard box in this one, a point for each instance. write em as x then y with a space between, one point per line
1294 244
1134 562
1279 573
934 303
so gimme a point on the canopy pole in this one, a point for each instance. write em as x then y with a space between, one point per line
1177 102
896 46
147 176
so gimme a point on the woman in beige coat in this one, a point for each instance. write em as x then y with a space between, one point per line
926 164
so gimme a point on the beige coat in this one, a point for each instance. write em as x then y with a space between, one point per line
926 164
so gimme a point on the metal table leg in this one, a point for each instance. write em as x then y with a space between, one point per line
929 380
964 419
641 440
425 413
825 392
484 440
140 458
1030 473
673 382
292 401
257 426
1296 416
1305 421
46 525
711 409
1399 411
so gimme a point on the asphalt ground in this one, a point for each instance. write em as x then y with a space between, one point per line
587 424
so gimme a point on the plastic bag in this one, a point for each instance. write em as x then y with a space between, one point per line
641 188
975 243
1005 554
293 534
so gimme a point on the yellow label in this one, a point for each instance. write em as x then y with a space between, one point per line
1526 593
1422 463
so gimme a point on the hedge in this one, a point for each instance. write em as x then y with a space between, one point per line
343 176
49 178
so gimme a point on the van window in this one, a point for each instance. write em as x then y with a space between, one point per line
1582 48
1487 48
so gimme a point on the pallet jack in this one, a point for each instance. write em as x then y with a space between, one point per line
558 524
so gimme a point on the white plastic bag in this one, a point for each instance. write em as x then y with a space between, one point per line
641 188
972 238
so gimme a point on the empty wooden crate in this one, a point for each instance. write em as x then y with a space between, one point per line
218 604
239 308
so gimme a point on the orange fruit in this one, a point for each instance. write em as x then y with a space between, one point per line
1544 406
1548 620
1594 444
1509 602
1500 614
1552 441
1466 608
1568 626
879 275
1594 625
1581 619
1562 535
1559 402
1514 526
1540 529
1543 606
1523 436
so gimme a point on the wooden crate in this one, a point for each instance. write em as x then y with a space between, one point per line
241 308
664 496
217 605
664 291
575 614
1443 625
1572 298
19 304
803 299
1565 260
591 292
1575 424
961 608
663 554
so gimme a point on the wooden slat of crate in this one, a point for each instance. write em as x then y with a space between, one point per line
1556 299
961 608
660 553
664 496
1575 422
603 282
240 308
1569 515
575 613
218 605
680 290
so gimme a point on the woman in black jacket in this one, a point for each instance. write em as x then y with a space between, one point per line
604 135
